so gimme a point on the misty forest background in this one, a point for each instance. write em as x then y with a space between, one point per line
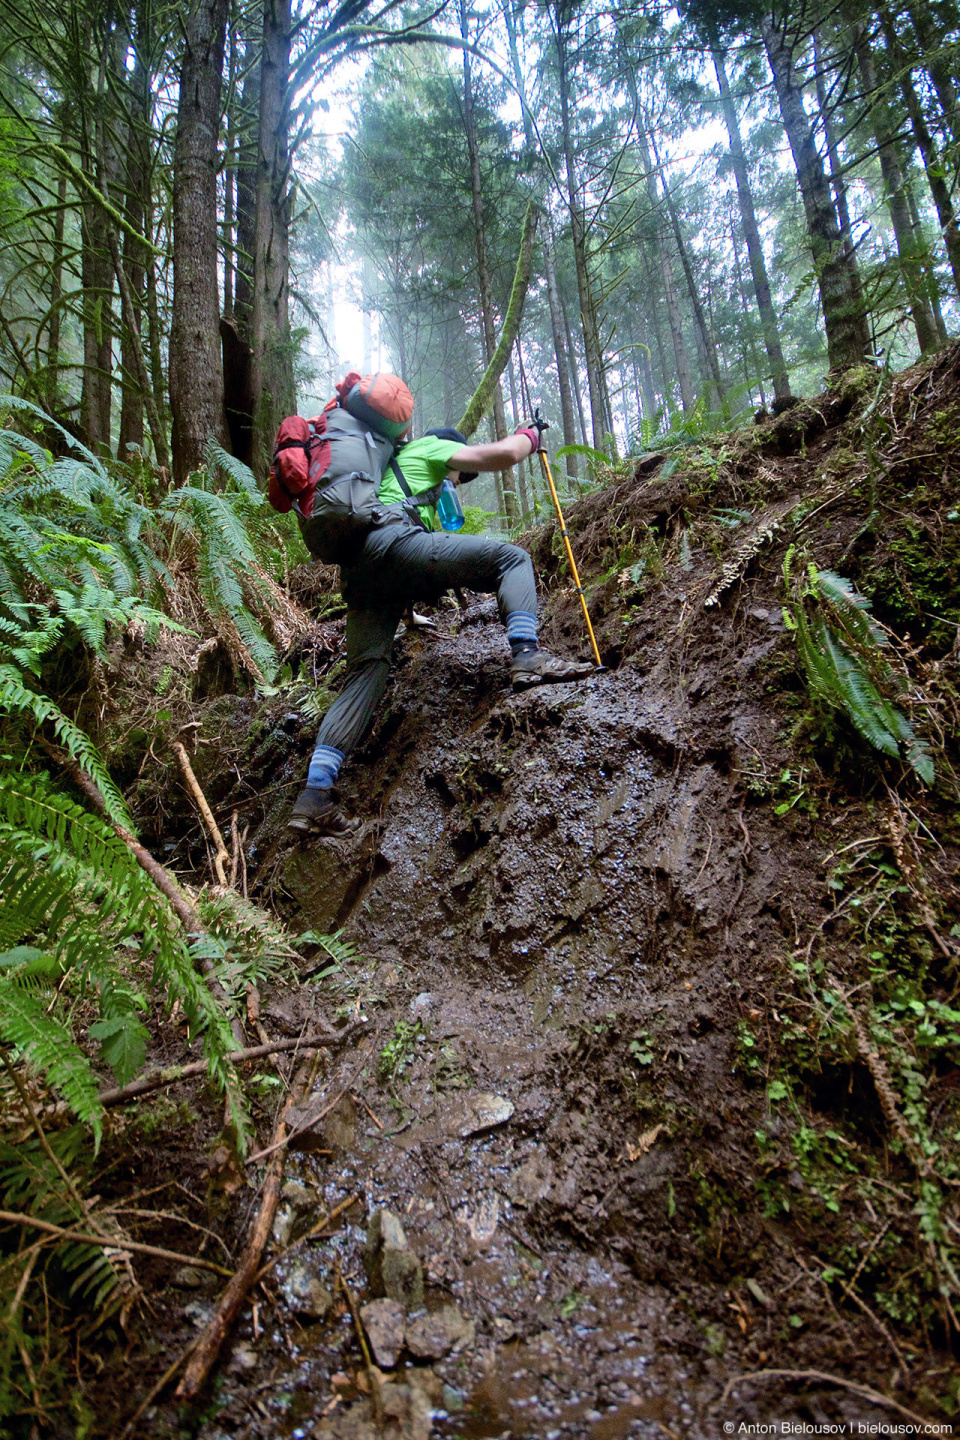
729 202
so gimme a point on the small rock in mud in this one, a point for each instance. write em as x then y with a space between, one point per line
391 1265
191 1277
305 1295
534 1179
408 1408
298 1196
482 1222
243 1359
431 1336
383 1322
292 1217
476 1113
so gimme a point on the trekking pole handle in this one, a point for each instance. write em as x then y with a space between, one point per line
538 422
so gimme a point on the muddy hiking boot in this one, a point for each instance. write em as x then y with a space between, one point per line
317 812
536 667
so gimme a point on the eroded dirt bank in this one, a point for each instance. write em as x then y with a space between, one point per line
630 955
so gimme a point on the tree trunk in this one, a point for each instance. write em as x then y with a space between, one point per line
56 295
134 260
154 333
751 231
708 347
578 233
933 54
237 350
248 120
911 260
666 268
560 350
96 271
755 369
574 373
196 376
932 162
848 338
932 289
482 398
487 311
274 392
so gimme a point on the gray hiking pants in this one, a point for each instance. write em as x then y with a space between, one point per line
395 569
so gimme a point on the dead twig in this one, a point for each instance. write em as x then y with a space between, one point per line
280 1142
366 1107
109 1242
42 1135
130 1429
162 878
310 1235
204 1357
121 1094
376 1399
865 1391
851 1294
222 854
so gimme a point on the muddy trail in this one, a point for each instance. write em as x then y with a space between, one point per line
648 983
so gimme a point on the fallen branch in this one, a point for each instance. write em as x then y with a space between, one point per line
231 1301
865 1391
156 1081
311 1234
130 1429
222 855
113 1242
282 1141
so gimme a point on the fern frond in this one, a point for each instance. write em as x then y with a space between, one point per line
852 607
17 699
216 458
837 665
14 402
47 1043
66 877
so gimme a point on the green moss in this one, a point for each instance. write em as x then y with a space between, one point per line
916 586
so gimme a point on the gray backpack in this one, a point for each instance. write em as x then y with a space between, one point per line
345 504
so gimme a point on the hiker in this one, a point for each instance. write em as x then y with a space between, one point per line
406 561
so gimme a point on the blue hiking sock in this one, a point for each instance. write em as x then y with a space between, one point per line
521 631
324 766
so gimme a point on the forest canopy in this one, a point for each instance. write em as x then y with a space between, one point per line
730 203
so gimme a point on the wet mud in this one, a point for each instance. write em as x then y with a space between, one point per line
569 907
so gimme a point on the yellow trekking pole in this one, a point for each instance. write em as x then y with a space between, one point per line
542 425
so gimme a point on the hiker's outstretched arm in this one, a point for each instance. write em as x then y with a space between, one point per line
498 456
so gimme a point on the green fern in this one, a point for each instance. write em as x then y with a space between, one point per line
74 900
73 536
17 698
845 667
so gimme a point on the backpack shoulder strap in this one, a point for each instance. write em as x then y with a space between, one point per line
401 479
412 502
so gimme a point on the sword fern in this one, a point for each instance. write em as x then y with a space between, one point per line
78 913
845 656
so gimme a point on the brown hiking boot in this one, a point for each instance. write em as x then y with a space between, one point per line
536 667
316 812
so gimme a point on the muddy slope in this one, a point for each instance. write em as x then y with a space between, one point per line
636 909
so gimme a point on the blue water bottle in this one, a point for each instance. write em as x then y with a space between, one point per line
449 508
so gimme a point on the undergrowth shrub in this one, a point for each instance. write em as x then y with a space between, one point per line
79 549
846 657
82 558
